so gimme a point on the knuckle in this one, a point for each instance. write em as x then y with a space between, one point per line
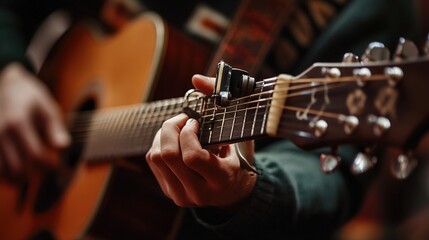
168 124
193 158
169 154
154 156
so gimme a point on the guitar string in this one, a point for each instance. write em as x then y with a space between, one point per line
151 135
299 85
267 99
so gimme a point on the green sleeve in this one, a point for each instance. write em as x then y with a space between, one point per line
363 22
19 19
12 43
290 195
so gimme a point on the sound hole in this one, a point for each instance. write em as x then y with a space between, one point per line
54 184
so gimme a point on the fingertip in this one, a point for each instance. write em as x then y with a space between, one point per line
203 83
61 138
192 123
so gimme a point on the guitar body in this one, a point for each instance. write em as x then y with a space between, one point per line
89 70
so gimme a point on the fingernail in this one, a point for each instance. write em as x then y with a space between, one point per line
190 121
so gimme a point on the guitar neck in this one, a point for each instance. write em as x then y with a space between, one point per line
130 130
122 131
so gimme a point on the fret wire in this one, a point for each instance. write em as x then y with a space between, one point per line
126 130
222 124
244 123
201 127
143 121
264 119
212 119
256 114
105 140
116 129
100 144
134 129
139 122
233 121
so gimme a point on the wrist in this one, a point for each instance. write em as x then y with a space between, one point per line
243 191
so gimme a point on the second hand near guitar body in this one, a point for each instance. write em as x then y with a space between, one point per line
89 71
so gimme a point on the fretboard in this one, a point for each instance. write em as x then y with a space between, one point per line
129 131
122 131
242 119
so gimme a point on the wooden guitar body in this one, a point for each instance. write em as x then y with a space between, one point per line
90 70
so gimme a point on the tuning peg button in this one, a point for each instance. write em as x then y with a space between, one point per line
362 75
376 51
403 166
319 127
350 58
406 49
362 163
329 162
381 124
350 123
331 72
394 75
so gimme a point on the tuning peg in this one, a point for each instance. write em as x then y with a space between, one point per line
363 162
403 165
361 74
319 127
381 124
350 123
350 58
329 162
376 51
331 72
394 75
406 49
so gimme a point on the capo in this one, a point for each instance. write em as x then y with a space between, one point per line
231 83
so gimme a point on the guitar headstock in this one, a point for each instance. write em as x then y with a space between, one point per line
372 101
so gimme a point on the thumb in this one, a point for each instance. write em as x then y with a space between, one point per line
54 125
203 83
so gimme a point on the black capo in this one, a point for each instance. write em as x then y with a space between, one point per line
231 83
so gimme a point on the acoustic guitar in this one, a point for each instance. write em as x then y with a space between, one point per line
97 195
327 105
